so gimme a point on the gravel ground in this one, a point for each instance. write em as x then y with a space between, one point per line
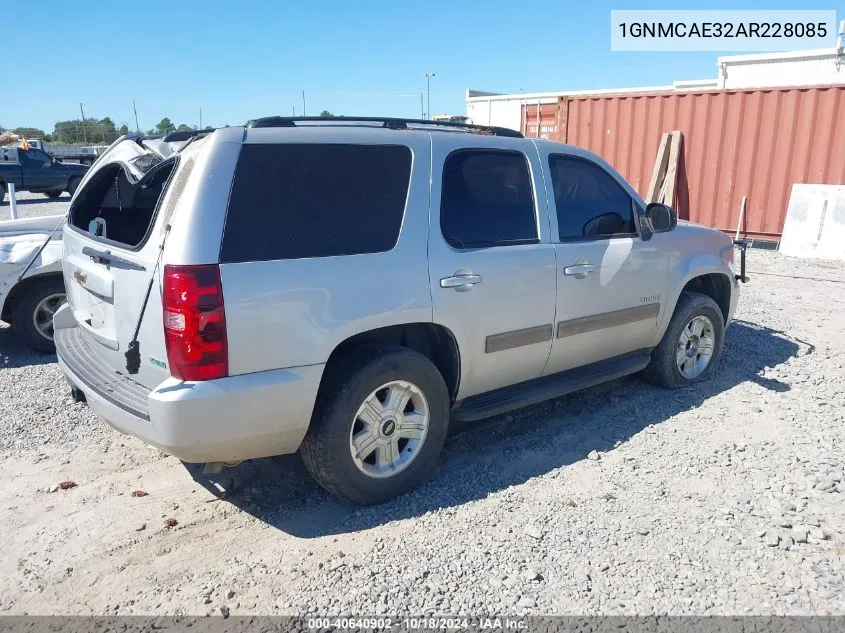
35 204
726 498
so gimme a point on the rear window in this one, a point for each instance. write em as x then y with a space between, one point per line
111 208
291 201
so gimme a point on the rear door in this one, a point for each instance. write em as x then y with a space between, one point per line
110 252
491 266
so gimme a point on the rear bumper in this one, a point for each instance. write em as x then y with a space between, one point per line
235 418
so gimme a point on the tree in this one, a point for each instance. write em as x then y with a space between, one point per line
325 114
30 132
165 126
184 128
104 132
124 129
91 131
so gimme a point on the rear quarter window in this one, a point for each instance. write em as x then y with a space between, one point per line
291 201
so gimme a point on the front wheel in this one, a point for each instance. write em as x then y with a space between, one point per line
53 194
691 348
380 421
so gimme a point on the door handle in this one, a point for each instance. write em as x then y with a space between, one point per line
579 270
461 282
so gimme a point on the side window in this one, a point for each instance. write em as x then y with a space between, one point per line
291 201
487 199
36 157
590 203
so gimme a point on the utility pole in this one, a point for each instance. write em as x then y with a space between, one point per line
200 118
84 134
303 103
422 107
428 77
137 127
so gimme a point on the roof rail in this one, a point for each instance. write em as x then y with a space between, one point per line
387 122
183 135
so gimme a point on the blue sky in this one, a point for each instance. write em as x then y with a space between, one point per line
240 60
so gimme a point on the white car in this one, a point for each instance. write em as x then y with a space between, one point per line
28 302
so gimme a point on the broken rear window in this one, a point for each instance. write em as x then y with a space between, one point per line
112 208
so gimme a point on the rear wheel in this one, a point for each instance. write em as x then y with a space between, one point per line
379 423
72 184
2 192
32 313
53 194
692 346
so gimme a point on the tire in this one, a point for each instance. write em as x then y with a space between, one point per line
2 192
664 370
72 184
53 194
28 308
350 382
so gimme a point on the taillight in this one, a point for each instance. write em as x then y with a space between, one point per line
195 322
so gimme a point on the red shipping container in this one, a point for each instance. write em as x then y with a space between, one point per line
754 143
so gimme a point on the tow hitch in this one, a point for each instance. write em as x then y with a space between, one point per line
743 245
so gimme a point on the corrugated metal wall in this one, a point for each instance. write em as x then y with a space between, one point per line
753 143
547 122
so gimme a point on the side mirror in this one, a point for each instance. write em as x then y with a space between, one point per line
661 217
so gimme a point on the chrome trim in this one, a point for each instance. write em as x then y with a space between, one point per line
459 281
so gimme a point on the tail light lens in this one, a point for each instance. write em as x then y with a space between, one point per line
195 322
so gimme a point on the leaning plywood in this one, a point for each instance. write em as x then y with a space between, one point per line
664 176
815 222
659 170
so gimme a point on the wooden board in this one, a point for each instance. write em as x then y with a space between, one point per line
656 181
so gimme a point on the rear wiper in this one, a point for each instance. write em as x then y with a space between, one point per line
107 257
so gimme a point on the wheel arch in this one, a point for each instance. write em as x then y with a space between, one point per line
717 286
20 289
432 340
713 281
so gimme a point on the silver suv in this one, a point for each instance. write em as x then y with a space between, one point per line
344 288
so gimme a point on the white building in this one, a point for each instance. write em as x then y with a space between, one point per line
764 70
818 67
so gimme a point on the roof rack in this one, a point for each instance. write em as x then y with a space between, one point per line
386 122
183 135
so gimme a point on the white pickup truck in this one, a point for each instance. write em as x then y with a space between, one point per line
28 298
84 154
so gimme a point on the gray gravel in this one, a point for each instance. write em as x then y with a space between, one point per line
36 406
726 498
32 205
